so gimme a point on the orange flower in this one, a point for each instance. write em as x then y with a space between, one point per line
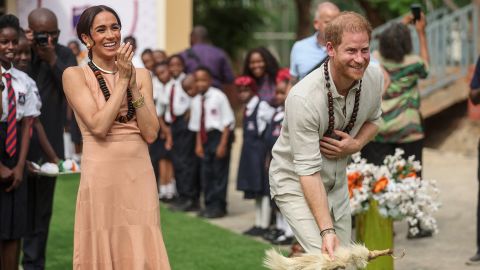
380 185
412 174
354 182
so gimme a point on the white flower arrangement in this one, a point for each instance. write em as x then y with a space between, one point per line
396 186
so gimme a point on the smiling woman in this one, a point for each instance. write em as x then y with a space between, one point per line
261 65
114 227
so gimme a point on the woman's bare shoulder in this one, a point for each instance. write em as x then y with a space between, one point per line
73 71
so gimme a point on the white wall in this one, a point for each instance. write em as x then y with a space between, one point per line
139 18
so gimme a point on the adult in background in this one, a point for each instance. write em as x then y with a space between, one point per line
261 65
402 125
117 217
329 115
49 60
308 53
475 98
202 53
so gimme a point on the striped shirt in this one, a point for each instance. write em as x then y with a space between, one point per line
402 121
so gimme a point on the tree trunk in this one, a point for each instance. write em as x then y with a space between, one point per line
304 25
373 14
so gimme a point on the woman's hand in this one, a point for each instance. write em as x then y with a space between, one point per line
124 61
421 23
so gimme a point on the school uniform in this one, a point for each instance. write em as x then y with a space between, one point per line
273 129
20 95
210 114
157 149
185 163
252 175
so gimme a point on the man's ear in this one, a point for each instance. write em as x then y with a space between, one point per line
316 24
330 49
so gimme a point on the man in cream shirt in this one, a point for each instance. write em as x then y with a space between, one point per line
308 171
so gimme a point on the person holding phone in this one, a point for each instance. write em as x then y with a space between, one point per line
117 217
49 60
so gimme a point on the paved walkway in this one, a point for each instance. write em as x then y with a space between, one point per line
455 243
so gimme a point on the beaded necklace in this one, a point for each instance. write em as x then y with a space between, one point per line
106 94
331 116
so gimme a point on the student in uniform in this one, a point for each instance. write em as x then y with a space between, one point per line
158 152
177 104
212 117
20 103
281 234
252 176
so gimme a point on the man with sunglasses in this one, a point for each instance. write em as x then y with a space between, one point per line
49 60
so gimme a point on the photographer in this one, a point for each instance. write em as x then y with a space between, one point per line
49 60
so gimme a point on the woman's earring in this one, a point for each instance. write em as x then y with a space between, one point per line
88 46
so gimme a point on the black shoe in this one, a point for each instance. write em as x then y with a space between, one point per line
272 234
283 240
186 206
421 234
212 213
255 231
475 260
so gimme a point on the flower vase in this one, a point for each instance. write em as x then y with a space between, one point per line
376 232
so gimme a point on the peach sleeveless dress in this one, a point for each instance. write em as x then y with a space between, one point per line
117 220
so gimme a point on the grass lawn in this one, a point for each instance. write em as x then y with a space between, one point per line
191 242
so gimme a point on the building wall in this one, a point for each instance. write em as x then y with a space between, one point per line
157 24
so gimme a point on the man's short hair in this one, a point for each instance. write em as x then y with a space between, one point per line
347 21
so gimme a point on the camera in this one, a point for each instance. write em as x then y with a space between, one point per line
416 11
41 39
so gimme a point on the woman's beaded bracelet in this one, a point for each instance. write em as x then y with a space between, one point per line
327 231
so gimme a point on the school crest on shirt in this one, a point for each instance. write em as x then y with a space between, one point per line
21 98
214 112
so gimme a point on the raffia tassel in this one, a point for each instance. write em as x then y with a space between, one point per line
355 255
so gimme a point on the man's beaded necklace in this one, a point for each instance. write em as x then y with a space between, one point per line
331 116
103 86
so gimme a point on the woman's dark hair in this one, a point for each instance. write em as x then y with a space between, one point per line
271 64
179 57
9 20
395 42
86 20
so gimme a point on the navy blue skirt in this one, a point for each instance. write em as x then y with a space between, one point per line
13 205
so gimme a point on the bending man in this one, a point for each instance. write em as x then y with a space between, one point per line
329 115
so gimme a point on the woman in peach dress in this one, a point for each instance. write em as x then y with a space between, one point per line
117 220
